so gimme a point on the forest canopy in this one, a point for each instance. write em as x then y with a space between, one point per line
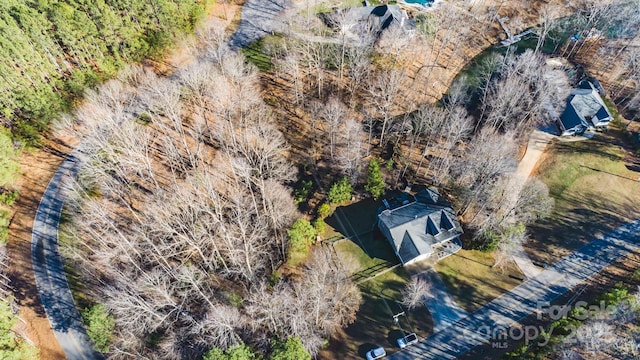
51 50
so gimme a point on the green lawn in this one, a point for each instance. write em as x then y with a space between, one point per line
374 324
594 191
359 263
364 251
471 279
261 52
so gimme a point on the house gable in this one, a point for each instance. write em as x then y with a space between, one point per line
415 228
584 109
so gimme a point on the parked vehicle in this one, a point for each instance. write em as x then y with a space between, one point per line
377 353
405 341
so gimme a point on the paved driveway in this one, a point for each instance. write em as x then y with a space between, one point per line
524 300
258 18
51 280
442 307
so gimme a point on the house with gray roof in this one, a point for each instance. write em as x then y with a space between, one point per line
421 226
585 109
360 22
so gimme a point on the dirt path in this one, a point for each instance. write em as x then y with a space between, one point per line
535 148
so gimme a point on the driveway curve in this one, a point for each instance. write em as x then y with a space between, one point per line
505 311
51 280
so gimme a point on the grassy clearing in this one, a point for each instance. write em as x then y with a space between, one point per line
471 279
594 190
262 51
380 254
365 251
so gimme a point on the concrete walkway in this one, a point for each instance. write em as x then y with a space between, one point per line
443 308
524 262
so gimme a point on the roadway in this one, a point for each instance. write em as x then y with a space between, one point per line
526 298
51 280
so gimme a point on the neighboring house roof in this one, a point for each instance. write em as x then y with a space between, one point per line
360 20
380 10
413 229
571 120
584 108
382 16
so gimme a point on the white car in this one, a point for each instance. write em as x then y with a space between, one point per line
405 341
377 353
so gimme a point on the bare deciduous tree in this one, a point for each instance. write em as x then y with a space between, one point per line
414 292
322 301
383 92
516 96
350 150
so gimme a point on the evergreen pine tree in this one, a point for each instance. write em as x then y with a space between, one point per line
375 184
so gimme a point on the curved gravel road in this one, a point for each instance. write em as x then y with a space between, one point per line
53 288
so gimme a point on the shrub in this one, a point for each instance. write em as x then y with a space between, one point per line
324 210
100 325
11 346
236 352
301 194
301 234
9 197
240 352
615 295
340 192
234 299
214 354
274 278
518 352
291 349
319 225
389 165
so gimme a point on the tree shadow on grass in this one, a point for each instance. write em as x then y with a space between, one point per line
579 220
357 222
464 293
598 146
